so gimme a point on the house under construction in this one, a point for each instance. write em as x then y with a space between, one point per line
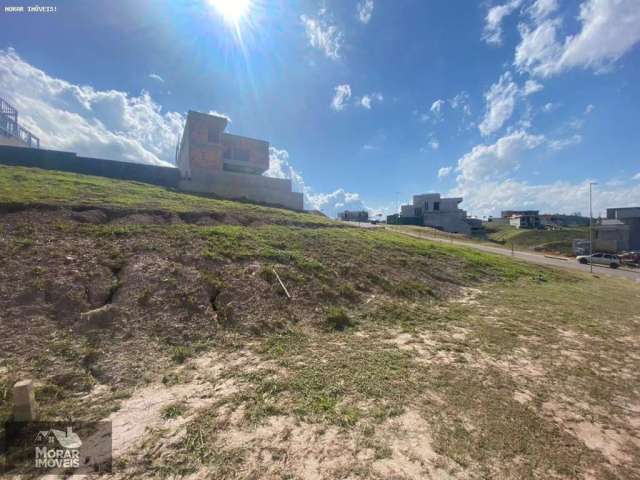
231 166
432 210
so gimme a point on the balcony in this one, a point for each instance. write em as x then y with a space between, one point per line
9 126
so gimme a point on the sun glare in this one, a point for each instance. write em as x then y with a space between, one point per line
232 10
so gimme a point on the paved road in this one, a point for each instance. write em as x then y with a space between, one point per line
531 257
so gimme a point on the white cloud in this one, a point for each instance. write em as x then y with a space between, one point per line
489 198
497 159
562 143
549 107
608 30
493 21
436 107
501 100
335 202
539 48
434 144
444 172
588 109
155 76
636 176
531 87
542 9
365 10
323 35
218 114
461 101
367 100
329 203
100 123
342 94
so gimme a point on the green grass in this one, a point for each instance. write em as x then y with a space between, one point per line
372 332
552 241
21 185
173 410
559 241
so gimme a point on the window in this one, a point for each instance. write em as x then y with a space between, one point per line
418 212
436 205
227 153
241 154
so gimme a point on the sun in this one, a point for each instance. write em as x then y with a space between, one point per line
232 10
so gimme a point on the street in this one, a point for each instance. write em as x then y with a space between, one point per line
532 257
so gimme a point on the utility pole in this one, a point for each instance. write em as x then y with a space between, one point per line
591 184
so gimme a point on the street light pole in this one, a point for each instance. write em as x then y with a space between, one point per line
591 184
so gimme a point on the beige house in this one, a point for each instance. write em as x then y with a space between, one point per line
230 166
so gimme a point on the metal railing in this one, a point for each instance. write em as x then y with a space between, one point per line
9 126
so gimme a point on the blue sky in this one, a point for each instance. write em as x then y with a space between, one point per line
508 103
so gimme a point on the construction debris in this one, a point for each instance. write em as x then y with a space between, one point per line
282 284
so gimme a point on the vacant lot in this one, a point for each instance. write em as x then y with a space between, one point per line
558 241
394 358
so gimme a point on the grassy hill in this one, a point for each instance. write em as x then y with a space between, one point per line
390 357
32 186
555 241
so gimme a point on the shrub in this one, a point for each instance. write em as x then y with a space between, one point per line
338 319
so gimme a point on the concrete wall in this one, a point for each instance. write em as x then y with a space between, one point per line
448 221
273 191
631 218
407 211
623 213
428 201
611 237
70 162
11 141
634 233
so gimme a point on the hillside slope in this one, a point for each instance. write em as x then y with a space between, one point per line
554 241
394 357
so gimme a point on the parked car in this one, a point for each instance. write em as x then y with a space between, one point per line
631 259
606 259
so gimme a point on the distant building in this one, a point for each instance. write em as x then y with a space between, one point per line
525 221
354 216
396 219
11 132
511 213
611 235
561 220
521 218
431 210
631 218
230 166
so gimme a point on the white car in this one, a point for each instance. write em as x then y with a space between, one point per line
606 259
